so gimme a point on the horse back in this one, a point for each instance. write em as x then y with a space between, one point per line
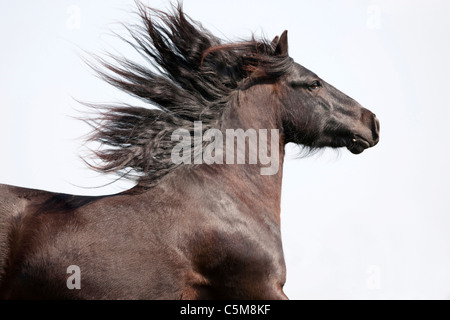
43 234
14 205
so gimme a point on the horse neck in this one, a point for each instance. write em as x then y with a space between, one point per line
256 108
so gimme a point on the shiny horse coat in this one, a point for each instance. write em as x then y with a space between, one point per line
185 231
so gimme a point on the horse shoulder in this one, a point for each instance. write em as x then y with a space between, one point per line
240 261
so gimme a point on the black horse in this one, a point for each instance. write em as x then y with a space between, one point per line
191 229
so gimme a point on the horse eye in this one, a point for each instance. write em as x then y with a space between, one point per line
315 85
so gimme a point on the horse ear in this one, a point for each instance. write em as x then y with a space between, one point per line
282 45
274 42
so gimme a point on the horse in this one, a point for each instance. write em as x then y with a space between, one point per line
190 229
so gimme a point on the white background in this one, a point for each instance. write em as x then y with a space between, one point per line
371 226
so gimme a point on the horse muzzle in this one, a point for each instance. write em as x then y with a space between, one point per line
365 138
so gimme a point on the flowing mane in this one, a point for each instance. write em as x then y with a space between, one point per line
196 72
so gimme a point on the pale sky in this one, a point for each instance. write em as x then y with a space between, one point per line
374 225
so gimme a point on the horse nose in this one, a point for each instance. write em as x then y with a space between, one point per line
375 130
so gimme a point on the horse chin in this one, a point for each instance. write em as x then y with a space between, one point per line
356 149
357 145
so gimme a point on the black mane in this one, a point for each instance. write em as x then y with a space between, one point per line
196 73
